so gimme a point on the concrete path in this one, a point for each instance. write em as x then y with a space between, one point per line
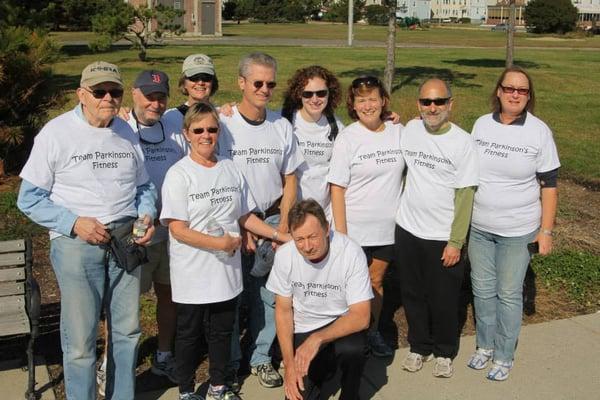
13 380
556 360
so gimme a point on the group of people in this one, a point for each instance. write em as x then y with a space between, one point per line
222 189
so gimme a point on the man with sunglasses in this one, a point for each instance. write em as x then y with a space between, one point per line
432 224
261 144
85 176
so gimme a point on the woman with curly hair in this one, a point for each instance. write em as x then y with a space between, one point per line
313 94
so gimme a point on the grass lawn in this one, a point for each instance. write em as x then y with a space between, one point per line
567 83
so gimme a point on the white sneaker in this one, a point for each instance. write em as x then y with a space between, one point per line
414 361
101 380
479 359
499 371
443 367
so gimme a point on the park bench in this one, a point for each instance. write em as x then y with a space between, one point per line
19 299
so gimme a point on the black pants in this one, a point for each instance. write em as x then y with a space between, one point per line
215 321
347 354
430 295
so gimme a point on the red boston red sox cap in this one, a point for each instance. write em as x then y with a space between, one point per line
152 81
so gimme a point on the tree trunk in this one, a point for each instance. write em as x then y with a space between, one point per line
510 36
2 169
390 64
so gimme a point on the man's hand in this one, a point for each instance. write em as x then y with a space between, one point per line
144 240
292 381
227 109
450 256
230 243
392 116
124 113
248 242
305 354
91 230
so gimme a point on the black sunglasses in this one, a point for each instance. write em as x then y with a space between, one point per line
511 90
368 81
201 77
259 84
308 94
438 101
200 131
101 93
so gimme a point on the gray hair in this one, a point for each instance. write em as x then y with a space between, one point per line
256 58
446 84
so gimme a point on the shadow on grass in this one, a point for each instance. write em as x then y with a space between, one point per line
417 74
493 63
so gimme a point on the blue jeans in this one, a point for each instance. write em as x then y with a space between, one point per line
498 267
89 279
261 314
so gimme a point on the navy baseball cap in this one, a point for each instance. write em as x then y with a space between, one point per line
152 81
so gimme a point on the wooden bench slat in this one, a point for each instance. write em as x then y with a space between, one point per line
12 259
12 288
12 246
12 274
14 327
11 305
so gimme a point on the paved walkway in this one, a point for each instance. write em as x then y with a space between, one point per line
557 360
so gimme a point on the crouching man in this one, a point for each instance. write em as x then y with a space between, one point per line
322 305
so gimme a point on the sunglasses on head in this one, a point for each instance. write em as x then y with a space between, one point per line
259 84
438 101
511 90
210 129
201 77
308 94
101 93
368 81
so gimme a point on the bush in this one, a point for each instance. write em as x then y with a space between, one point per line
550 16
377 15
339 11
100 44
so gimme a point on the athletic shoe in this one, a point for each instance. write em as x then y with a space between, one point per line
267 375
164 368
379 348
480 359
225 394
499 371
443 367
414 361
232 381
190 396
101 380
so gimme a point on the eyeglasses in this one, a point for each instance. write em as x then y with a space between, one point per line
366 81
308 94
210 129
201 77
511 90
259 84
101 93
438 102
139 131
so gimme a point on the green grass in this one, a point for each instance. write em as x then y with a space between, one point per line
14 225
567 83
578 273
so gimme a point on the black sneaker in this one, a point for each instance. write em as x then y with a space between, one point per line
267 375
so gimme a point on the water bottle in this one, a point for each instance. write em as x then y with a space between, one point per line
213 228
139 228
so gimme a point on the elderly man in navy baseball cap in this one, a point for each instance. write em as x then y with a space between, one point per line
150 93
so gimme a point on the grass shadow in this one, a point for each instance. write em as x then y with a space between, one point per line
493 63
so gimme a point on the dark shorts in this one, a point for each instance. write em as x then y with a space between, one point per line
383 253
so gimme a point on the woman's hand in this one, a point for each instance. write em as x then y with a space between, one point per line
229 243
545 243
227 109
124 113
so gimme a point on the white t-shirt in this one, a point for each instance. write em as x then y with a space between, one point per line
92 172
437 165
369 165
507 202
321 292
315 146
197 194
159 157
262 153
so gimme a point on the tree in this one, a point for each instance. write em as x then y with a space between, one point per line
123 21
390 65
551 16
377 14
338 11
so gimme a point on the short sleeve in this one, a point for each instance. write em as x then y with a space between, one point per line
547 157
292 157
41 164
174 197
339 166
467 173
279 279
358 283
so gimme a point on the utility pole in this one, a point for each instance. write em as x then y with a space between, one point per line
350 21
510 35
